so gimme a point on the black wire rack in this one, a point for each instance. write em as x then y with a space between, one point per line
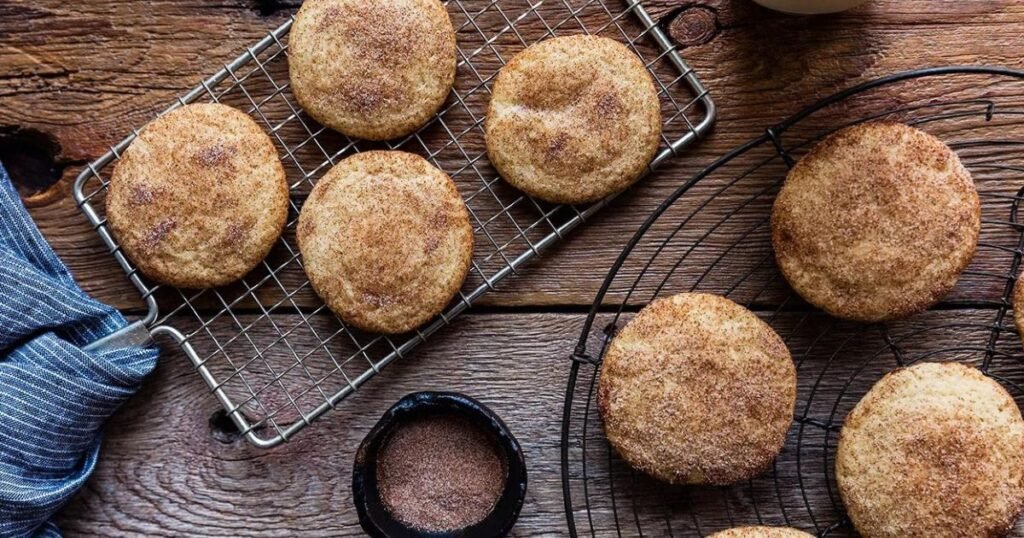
272 354
712 235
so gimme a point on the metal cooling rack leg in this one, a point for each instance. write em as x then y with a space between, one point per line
229 406
134 335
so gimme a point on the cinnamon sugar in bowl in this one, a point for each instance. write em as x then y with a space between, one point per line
439 464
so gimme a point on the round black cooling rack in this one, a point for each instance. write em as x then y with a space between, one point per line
712 235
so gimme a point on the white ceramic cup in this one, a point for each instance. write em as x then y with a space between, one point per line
808 7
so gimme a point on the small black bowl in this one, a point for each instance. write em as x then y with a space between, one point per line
375 518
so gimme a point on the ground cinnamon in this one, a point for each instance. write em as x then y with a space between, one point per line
440 473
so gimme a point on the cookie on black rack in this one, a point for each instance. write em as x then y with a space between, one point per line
1018 305
697 389
876 222
937 450
761 532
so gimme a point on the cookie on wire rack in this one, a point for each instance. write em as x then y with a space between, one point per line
370 69
1018 305
573 119
876 222
385 240
937 450
761 532
199 197
697 389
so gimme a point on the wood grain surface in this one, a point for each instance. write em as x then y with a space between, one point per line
165 471
76 77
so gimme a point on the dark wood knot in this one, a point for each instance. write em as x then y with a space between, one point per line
694 25
33 160
223 429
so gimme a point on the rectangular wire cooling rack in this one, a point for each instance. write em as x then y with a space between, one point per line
270 351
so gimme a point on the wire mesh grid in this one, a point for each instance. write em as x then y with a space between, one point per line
712 235
272 354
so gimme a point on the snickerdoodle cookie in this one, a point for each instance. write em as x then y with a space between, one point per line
373 70
876 222
386 240
697 389
761 532
573 119
1018 305
199 198
933 450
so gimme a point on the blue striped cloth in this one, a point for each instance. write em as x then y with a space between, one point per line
54 396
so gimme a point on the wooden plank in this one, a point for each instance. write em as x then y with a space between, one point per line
165 471
55 82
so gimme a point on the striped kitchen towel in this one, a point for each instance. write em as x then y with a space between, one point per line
54 395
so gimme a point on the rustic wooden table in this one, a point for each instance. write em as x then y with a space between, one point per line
75 77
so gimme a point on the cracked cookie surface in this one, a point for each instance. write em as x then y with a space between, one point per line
386 240
573 119
876 222
697 389
199 197
372 70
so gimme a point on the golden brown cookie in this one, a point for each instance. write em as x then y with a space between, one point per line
1018 305
697 389
876 222
933 450
199 198
373 70
573 119
761 532
385 240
